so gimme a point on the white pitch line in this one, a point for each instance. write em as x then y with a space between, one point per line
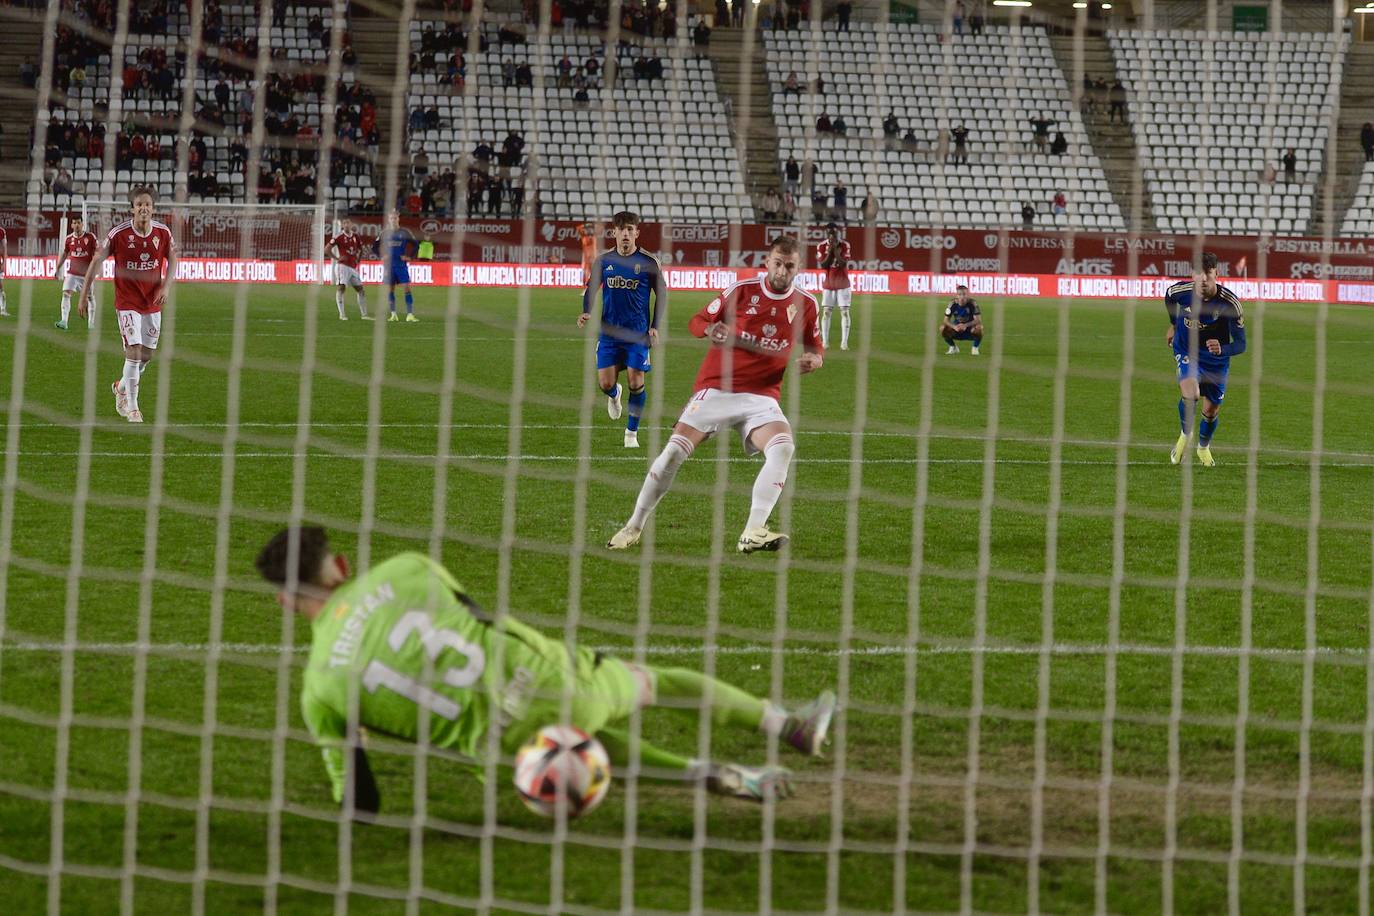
599 459
577 427
671 649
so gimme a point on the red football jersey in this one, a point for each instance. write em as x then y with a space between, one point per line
350 248
837 276
140 261
79 250
765 325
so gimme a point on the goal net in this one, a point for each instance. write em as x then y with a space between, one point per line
1075 670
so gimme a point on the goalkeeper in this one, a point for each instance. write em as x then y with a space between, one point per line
405 638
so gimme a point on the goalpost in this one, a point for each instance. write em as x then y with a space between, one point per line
216 229
1072 677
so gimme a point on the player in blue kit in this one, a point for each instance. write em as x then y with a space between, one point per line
626 276
1206 329
963 321
395 246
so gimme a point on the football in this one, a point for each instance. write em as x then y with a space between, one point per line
562 762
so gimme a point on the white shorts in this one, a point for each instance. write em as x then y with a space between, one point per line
139 329
711 410
72 283
347 276
833 297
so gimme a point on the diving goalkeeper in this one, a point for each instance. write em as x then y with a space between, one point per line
405 638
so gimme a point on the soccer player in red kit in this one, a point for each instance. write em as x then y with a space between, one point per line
754 327
145 264
833 255
77 252
347 251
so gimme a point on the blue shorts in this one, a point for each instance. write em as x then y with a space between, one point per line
612 351
397 273
1211 380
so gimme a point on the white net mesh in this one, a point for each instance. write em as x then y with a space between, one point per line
1071 675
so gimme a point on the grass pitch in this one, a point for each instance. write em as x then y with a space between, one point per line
1020 499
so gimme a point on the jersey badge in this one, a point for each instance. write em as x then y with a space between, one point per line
791 313
157 243
769 330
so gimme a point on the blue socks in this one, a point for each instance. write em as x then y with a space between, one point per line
638 397
391 300
1206 429
1183 416
611 392
410 302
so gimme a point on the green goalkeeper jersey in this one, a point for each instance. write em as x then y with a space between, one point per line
400 642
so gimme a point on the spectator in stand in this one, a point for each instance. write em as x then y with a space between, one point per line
791 175
507 72
701 36
841 201
77 78
891 126
1060 204
565 68
1060 145
524 76
817 205
368 124
1087 98
978 17
1027 216
1118 99
909 142
959 17
823 125
870 209
516 190
1040 132
1290 166
495 191
818 85
581 98
414 203
722 13
839 126
793 84
152 148
442 200
28 73
1367 141
737 13
62 181
772 205
808 175
477 185
843 10
419 164
960 137
417 120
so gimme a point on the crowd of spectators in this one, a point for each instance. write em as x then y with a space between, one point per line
287 167
489 181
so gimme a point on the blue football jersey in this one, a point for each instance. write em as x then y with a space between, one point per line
1219 318
626 283
962 312
395 244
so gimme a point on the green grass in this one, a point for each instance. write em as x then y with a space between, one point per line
526 536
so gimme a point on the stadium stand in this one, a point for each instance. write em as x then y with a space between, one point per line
1261 94
1359 219
669 157
994 84
152 75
